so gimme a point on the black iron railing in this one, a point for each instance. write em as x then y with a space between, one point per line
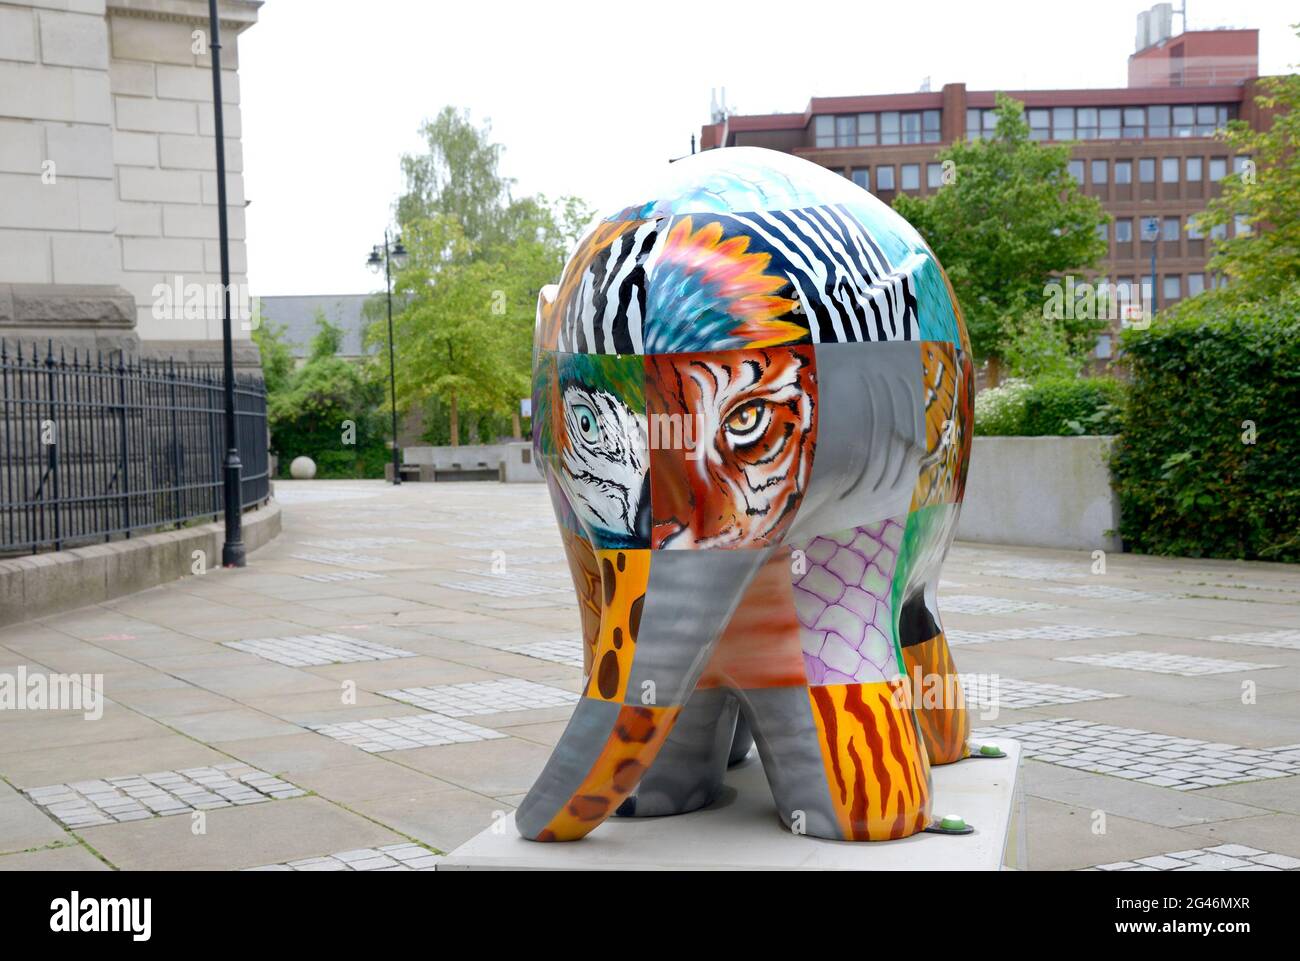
96 447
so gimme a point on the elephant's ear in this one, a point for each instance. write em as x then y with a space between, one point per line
546 332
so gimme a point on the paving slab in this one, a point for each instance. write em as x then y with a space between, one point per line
71 857
238 837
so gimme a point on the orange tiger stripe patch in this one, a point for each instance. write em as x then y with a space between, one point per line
945 726
876 767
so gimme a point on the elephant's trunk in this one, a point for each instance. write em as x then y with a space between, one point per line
662 615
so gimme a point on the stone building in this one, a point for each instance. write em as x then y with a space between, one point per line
108 194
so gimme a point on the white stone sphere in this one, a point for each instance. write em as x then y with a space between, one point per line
302 468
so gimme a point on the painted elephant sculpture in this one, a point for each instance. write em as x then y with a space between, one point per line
752 404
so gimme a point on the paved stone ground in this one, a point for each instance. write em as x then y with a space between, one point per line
368 692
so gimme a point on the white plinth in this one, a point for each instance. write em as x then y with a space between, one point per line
741 830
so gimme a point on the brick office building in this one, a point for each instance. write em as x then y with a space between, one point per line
1145 150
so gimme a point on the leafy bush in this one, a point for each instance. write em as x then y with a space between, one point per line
1052 406
311 412
1209 462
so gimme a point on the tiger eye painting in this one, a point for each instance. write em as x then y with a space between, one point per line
752 405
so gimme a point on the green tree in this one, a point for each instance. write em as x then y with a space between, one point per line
277 358
1012 219
1263 263
330 409
478 259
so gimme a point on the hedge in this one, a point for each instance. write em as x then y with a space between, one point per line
1056 406
1209 461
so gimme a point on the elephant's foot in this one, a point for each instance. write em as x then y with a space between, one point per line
940 703
687 774
573 796
844 761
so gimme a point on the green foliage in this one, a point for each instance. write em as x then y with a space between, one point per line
1209 376
1013 218
1041 348
478 259
1051 406
1266 261
277 358
311 411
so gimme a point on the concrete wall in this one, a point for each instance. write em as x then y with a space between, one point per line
107 166
42 584
1040 492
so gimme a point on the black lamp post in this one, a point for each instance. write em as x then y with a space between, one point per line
389 255
232 550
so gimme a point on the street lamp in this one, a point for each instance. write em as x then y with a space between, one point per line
232 550
387 257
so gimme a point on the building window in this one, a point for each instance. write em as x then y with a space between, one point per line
1086 123
1206 120
824 131
1195 284
1239 165
1219 232
1218 168
1124 230
885 178
1100 171
1193 169
1110 128
930 126
911 127
972 123
1040 124
1062 123
846 131
1194 231
1076 171
911 175
1171 287
1123 171
866 130
934 176
1170 229
1158 121
1135 122
1240 227
1184 121
862 177
1103 232
1169 170
990 124
889 127
1103 350
1147 170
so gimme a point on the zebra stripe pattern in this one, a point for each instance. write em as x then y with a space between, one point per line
620 295
605 304
847 288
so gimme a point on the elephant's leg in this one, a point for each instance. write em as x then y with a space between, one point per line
742 742
949 418
844 761
662 613
941 706
688 772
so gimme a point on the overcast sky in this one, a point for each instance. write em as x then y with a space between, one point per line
587 95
